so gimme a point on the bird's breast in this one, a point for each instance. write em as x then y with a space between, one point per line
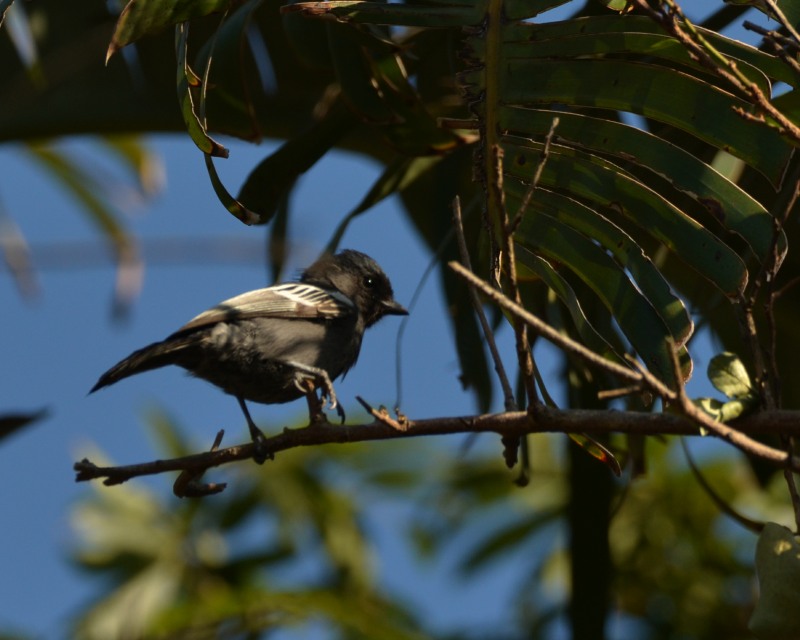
251 357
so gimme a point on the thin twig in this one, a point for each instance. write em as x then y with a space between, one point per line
537 176
508 264
782 19
545 330
508 393
735 437
727 509
382 415
705 54
784 47
188 484
642 376
777 38
749 332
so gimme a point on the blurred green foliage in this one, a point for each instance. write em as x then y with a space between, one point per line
293 545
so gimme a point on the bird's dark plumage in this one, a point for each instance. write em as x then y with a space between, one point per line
263 345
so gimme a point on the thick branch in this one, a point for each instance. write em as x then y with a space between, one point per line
517 423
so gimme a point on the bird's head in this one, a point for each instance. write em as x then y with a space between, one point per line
361 279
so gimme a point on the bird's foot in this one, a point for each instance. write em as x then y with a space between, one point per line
261 452
308 383
316 406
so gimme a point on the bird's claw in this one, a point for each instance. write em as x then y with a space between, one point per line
261 451
333 402
307 384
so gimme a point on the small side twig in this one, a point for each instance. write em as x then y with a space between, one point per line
672 19
188 485
508 262
537 176
508 393
782 19
784 47
544 329
727 509
382 415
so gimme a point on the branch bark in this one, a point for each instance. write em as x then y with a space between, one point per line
516 423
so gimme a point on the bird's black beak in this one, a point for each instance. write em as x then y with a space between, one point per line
393 308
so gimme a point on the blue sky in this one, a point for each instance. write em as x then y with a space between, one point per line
55 346
61 341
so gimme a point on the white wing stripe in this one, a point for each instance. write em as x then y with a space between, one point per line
307 294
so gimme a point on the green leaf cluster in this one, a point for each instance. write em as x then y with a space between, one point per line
729 376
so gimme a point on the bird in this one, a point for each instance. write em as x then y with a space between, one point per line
277 344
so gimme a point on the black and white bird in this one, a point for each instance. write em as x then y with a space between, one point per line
277 344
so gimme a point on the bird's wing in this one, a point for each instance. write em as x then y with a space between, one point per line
295 300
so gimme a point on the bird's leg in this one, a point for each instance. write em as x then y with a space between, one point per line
259 440
316 415
321 377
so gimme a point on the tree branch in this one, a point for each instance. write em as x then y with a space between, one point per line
516 423
641 375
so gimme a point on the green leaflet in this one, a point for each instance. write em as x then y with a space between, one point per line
624 250
778 568
636 316
228 97
607 185
652 91
732 207
590 335
396 177
637 35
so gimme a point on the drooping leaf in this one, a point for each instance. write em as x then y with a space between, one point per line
778 568
272 179
591 337
234 206
444 15
728 374
638 37
597 451
608 185
227 93
506 540
625 252
649 90
187 82
140 18
13 422
95 198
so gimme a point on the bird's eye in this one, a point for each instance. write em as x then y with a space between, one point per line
369 282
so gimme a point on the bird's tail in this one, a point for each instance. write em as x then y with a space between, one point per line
158 354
